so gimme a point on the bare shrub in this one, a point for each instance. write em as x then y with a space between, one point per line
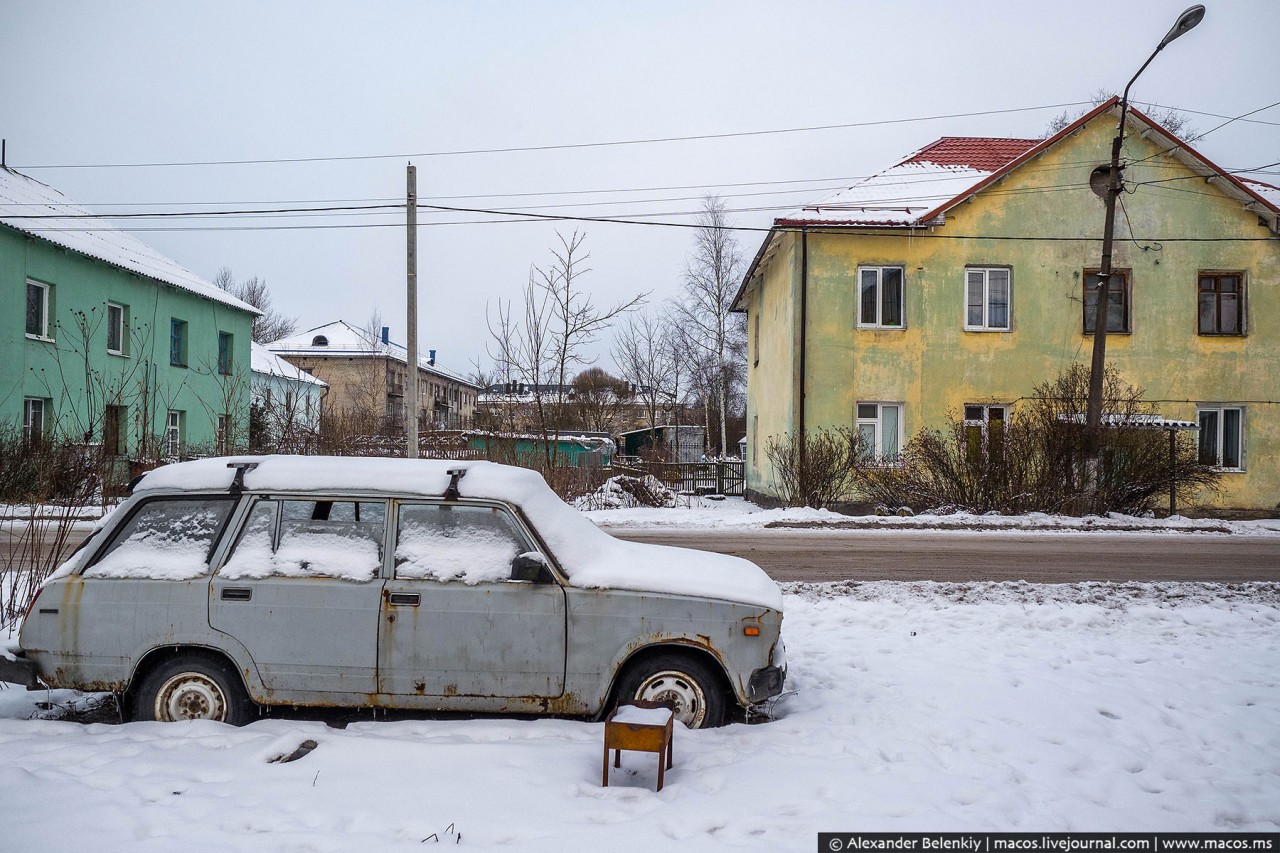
1035 460
831 458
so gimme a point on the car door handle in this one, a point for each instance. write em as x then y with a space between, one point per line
237 593
408 599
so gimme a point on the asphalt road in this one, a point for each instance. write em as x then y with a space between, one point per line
908 555
913 555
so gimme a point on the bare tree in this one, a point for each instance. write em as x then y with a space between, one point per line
1177 123
557 322
270 325
710 281
599 400
644 358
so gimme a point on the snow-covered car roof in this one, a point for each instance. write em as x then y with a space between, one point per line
590 557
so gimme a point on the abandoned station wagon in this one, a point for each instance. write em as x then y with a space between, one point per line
226 584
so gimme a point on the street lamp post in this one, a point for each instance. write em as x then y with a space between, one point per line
1093 418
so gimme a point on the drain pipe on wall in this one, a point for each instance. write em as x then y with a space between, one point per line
804 332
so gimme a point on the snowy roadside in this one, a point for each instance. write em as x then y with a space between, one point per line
737 513
923 706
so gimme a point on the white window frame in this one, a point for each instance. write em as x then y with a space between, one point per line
118 327
173 433
986 326
877 423
31 405
878 322
1220 409
45 290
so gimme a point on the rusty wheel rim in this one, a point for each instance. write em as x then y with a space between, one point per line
190 696
678 689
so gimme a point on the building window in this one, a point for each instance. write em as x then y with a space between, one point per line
173 434
113 421
880 431
984 432
33 424
178 342
880 297
115 328
988 292
1222 436
1221 303
224 353
37 310
1117 300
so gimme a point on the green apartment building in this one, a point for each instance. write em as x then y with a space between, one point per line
105 341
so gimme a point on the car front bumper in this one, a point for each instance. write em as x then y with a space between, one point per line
766 683
18 670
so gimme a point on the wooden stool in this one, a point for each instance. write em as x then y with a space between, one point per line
639 726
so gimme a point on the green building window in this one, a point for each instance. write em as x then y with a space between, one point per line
224 353
178 342
115 328
37 309
33 423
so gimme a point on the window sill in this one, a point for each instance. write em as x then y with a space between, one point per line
183 366
866 328
117 353
1222 334
41 338
1110 332
984 331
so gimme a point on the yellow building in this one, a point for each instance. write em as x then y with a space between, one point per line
954 282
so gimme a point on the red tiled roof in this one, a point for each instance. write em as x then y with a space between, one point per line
987 154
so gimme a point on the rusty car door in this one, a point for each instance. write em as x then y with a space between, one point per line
453 622
301 591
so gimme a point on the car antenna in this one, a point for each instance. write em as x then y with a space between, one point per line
237 484
455 474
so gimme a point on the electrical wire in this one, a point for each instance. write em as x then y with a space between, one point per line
555 147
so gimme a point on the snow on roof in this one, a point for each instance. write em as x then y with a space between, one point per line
1269 193
340 338
34 208
268 363
921 183
589 556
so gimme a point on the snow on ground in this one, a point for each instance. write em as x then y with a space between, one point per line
737 513
918 706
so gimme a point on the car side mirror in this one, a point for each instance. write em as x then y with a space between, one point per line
530 566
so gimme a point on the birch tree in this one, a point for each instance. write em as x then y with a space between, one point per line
711 280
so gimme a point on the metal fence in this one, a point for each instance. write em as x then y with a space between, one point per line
703 478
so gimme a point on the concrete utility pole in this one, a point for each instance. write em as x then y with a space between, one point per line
411 357
1115 185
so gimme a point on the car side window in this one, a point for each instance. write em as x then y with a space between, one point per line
310 539
448 542
165 539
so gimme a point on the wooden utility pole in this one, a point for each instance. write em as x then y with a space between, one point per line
411 357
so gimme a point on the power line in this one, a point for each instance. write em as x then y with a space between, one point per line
556 147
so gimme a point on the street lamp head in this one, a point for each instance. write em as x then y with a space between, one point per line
1186 22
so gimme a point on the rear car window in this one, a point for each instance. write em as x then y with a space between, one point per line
310 539
472 544
165 539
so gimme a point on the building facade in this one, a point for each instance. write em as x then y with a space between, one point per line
958 280
105 341
286 406
366 375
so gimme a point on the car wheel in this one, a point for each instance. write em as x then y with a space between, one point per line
688 684
192 687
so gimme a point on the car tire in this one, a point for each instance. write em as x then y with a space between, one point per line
691 686
193 687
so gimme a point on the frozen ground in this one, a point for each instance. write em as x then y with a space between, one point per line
916 707
738 513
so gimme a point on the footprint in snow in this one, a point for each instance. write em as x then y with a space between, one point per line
1108 714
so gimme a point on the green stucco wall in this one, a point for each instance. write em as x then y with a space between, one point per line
78 378
934 366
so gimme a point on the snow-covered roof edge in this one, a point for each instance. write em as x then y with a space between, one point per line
37 210
355 343
267 363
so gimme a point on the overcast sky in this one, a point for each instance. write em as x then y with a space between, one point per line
121 83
